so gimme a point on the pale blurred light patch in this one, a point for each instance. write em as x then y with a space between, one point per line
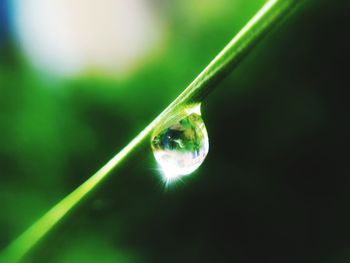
74 37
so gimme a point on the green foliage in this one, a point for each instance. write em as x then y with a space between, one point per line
49 123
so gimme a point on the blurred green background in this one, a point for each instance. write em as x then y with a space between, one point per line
274 187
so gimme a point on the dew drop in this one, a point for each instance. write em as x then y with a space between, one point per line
181 144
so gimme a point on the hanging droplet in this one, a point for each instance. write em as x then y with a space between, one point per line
181 145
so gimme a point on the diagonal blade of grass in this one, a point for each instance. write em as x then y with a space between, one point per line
264 20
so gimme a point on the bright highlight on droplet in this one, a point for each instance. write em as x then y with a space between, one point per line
181 146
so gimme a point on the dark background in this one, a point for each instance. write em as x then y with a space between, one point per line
275 184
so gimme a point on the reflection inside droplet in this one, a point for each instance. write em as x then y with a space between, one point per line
182 145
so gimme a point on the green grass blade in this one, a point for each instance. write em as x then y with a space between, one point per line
265 19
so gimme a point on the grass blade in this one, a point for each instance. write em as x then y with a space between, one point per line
264 20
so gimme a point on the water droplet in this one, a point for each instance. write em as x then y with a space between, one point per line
181 144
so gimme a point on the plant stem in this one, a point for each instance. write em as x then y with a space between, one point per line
265 19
